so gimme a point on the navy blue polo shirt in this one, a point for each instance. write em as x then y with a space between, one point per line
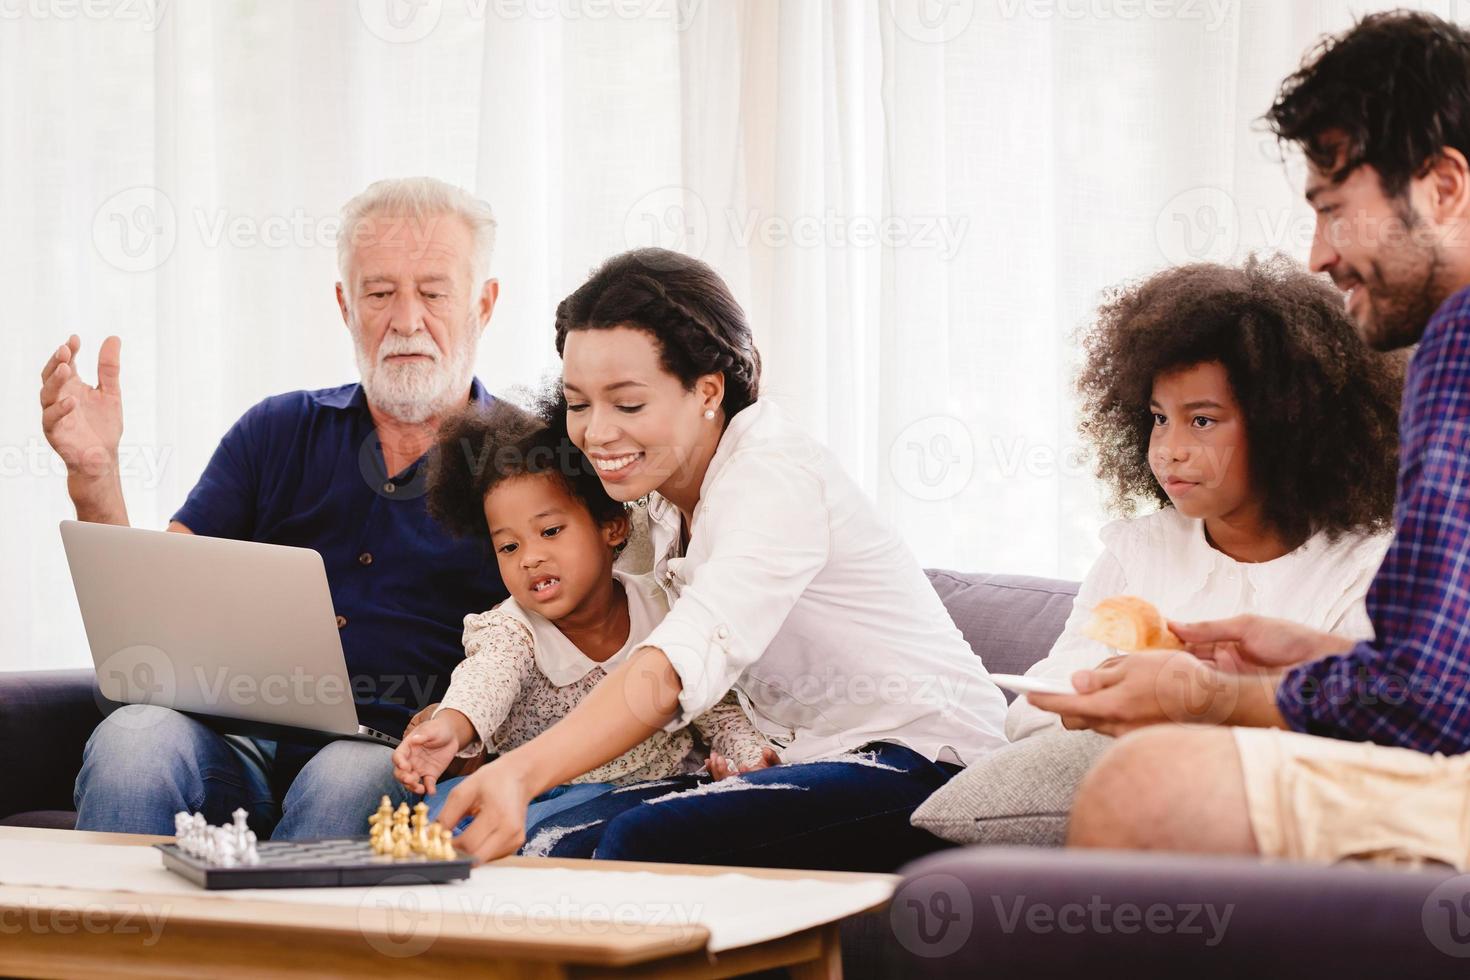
306 469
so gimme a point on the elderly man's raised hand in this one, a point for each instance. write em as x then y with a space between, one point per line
82 422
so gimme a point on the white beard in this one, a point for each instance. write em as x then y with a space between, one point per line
415 391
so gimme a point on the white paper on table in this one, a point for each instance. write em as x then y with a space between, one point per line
737 909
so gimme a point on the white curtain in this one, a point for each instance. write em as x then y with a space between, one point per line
918 201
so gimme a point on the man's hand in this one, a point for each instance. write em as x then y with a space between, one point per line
1246 644
81 422
497 797
721 767
427 751
1146 688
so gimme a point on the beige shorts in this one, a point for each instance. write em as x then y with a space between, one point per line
1320 799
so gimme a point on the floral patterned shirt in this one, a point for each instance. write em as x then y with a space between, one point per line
521 675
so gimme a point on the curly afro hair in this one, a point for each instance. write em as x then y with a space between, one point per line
684 303
482 448
1321 408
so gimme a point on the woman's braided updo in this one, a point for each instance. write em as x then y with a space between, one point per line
684 304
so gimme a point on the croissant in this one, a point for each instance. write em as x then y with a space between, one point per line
1129 624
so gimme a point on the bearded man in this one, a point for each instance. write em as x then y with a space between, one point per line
339 470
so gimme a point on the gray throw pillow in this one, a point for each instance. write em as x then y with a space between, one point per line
1021 794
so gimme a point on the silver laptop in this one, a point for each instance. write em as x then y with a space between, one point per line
240 633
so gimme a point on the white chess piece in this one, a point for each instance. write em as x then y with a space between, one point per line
250 855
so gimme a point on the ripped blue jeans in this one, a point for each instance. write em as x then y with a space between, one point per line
549 803
848 813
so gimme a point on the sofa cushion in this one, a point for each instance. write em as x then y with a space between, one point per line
1039 914
1020 794
45 819
52 714
1010 621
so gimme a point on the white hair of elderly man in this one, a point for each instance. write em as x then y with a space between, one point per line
413 391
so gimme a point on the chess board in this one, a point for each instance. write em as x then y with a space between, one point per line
313 864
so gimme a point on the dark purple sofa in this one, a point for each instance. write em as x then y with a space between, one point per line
978 912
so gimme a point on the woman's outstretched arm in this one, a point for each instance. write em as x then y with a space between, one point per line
635 700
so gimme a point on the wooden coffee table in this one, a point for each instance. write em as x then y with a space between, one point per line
101 933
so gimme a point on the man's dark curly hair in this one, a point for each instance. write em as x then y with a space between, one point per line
1320 408
1396 85
684 304
480 449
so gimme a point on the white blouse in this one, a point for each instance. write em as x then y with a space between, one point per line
796 594
1166 559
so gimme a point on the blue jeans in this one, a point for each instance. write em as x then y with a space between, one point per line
848 813
549 803
144 763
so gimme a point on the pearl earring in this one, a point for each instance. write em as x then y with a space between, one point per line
709 413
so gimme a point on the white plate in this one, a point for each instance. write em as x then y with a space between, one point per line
1033 685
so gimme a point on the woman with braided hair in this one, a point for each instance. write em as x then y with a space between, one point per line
785 587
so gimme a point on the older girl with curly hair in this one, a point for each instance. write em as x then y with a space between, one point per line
1240 408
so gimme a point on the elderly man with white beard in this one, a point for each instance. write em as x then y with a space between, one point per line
340 470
